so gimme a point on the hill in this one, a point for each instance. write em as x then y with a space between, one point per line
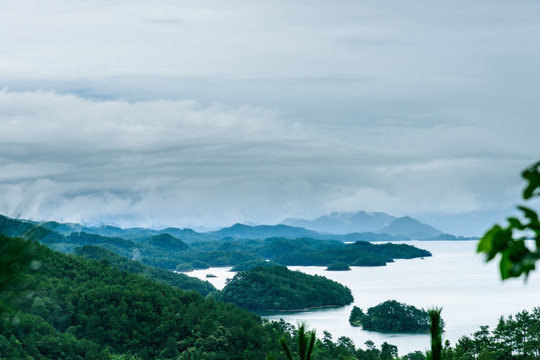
372 226
85 309
410 228
263 231
344 222
167 252
360 253
170 278
277 288
391 316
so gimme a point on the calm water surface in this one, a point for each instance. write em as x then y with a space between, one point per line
454 278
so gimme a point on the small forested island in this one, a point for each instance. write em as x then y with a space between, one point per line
278 288
338 266
391 316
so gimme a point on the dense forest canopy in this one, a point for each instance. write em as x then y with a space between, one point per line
391 316
167 277
277 288
72 308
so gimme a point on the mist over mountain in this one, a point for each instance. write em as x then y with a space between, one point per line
344 222
368 222
263 231
411 228
346 227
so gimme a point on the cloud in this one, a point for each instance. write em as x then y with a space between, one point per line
210 113
161 163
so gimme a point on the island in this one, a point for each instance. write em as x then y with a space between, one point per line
338 266
278 288
391 316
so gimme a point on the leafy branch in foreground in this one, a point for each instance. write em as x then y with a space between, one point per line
516 257
306 340
435 329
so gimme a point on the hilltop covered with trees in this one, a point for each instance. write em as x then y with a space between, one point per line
135 267
277 288
73 308
391 316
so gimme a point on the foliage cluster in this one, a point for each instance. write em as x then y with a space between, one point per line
514 338
278 288
516 257
326 348
391 316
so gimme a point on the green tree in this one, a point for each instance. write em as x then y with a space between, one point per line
388 351
516 257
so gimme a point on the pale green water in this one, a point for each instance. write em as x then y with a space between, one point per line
455 278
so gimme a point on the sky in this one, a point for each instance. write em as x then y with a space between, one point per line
202 114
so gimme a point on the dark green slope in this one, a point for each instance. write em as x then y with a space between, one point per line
74 308
14 227
360 253
163 276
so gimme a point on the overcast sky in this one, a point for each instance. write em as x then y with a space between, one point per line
207 113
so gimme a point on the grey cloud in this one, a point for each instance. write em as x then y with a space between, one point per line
167 162
188 113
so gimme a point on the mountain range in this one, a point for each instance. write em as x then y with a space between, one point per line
364 222
348 227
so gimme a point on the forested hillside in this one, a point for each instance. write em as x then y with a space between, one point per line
277 288
163 276
72 308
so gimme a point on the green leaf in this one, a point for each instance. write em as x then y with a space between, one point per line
517 260
494 241
532 175
286 348
515 223
529 214
505 266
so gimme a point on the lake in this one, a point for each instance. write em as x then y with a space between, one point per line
454 278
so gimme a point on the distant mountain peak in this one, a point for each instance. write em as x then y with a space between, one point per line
411 228
344 222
